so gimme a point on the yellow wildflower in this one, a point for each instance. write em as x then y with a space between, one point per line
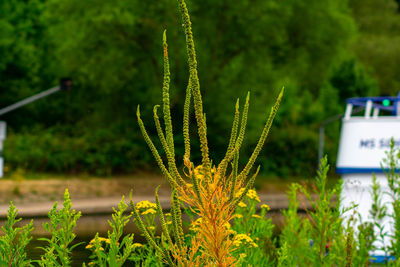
237 243
243 237
242 204
240 238
145 205
239 216
227 225
256 216
100 239
151 228
252 194
239 193
265 206
89 246
199 172
100 248
149 211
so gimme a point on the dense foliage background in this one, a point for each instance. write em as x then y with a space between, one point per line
321 51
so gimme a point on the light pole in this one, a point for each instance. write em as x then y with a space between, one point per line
65 84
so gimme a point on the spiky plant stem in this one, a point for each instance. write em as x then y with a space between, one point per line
195 84
212 194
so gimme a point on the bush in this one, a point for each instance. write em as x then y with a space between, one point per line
99 153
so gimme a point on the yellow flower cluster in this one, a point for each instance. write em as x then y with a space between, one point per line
239 216
100 239
149 211
227 225
91 246
240 192
145 205
242 238
242 204
199 172
265 206
256 216
252 194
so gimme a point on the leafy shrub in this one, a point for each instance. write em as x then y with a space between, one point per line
62 222
14 241
110 251
100 152
318 239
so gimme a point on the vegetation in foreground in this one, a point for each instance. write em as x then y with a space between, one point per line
319 239
225 229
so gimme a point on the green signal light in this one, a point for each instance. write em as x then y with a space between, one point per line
386 102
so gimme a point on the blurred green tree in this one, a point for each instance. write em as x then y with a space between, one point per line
113 52
23 56
378 41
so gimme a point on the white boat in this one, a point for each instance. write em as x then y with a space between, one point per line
364 139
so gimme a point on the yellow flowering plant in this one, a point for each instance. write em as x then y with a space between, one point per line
254 232
14 240
113 250
148 212
210 192
58 251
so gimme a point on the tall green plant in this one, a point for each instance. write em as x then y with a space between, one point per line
14 241
391 166
327 231
294 239
207 190
321 239
62 223
113 251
